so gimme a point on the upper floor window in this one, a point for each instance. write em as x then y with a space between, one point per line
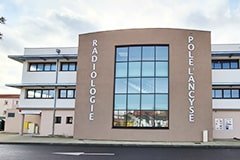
67 93
40 93
42 67
226 93
225 64
68 66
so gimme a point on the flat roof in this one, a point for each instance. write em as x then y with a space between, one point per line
22 58
21 85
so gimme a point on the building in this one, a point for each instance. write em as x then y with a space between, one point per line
226 90
144 84
134 84
47 91
7 102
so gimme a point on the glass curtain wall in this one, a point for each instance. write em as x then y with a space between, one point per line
141 87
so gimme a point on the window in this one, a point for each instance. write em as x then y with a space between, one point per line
141 87
67 93
5 102
42 67
68 66
225 64
226 93
69 120
58 120
40 93
11 115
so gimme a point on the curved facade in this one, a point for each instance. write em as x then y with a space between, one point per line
144 84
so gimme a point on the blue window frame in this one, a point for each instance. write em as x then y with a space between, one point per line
141 87
225 64
221 93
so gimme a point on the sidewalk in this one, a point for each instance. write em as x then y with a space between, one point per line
29 139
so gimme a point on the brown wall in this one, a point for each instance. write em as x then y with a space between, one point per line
180 129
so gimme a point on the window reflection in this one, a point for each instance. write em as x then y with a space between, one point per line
141 87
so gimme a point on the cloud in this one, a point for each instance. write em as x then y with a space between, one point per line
58 22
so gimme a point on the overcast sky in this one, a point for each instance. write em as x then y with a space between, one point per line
53 23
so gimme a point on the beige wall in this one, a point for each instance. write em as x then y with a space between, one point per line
226 133
180 129
13 124
60 129
12 103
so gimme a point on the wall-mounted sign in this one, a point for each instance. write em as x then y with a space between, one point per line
228 123
93 76
223 124
191 79
218 124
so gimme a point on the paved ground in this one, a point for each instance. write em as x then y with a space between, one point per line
71 152
29 139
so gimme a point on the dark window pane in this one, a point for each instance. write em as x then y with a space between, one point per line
161 53
11 115
58 120
69 120
134 53
122 53
148 53
121 70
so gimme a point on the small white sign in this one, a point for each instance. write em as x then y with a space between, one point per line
228 123
218 124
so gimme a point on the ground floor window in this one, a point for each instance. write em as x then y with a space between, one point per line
58 120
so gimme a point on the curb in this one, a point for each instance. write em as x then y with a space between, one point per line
212 146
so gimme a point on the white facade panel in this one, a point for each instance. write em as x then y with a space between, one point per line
65 103
225 47
226 76
37 77
37 103
47 51
226 104
67 77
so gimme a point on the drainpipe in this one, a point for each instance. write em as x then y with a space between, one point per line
55 96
